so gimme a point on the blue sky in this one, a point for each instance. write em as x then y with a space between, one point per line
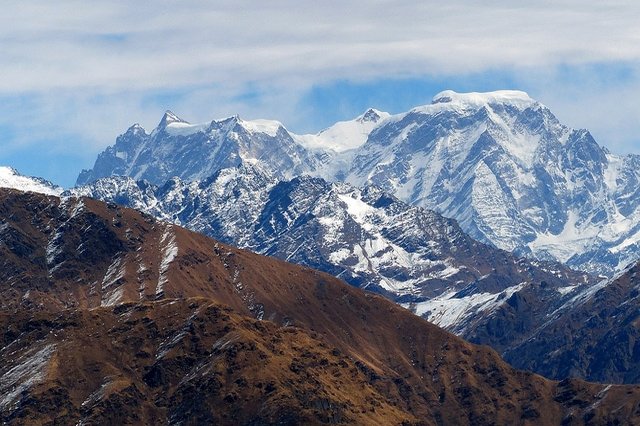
75 74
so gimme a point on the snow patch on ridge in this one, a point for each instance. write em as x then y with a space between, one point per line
269 127
447 310
169 253
180 128
115 272
10 178
55 242
567 243
358 209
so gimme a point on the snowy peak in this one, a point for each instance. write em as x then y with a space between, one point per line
269 127
345 135
478 99
169 118
10 178
176 126
512 175
372 115
136 130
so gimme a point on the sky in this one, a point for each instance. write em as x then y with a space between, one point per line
76 74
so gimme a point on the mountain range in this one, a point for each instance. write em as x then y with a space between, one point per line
500 163
413 256
364 236
471 212
110 315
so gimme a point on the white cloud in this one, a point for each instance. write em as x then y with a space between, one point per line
124 44
88 69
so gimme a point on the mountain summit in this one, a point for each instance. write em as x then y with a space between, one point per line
476 99
500 163
168 118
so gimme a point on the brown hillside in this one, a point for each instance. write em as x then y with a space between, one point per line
100 320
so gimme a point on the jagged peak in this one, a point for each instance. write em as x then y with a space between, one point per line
232 119
168 118
372 115
136 128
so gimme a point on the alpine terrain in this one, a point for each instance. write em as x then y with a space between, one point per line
366 237
595 336
11 178
109 315
500 163
512 175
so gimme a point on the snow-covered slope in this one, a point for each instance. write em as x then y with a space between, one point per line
512 175
177 148
344 135
10 178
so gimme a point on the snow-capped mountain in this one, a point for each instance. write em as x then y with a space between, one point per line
512 175
10 178
500 163
364 236
177 148
196 151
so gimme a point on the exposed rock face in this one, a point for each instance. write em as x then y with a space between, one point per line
133 319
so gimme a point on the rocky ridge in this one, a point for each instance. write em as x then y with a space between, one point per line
596 337
364 236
